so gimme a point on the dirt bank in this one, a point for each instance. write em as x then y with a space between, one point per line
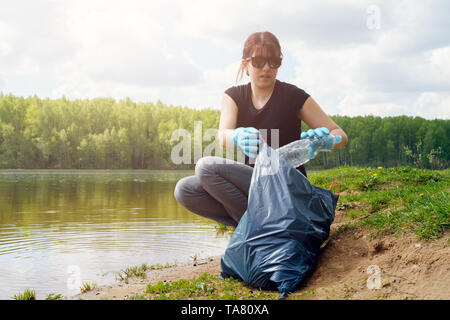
410 268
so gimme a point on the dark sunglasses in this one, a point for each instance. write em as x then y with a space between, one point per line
260 62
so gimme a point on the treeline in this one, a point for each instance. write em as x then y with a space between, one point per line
391 141
104 133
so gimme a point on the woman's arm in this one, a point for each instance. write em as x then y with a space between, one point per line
228 120
315 117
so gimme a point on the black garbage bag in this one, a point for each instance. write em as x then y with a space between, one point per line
277 241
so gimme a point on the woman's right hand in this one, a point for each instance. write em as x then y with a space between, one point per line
247 139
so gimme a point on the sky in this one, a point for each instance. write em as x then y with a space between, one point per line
354 57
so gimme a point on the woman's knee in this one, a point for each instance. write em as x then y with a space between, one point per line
207 165
180 192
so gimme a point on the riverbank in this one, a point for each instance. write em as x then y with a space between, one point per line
132 286
390 223
411 268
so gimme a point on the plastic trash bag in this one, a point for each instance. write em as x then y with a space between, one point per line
277 241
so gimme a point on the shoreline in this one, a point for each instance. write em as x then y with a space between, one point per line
411 269
122 289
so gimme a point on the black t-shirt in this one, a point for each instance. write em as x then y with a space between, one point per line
280 112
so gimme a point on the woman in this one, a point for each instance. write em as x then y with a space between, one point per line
219 189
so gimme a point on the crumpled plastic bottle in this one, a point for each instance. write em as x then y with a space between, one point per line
296 153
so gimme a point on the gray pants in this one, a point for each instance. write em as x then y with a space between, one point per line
218 190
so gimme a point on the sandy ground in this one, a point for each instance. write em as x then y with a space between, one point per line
409 268
122 290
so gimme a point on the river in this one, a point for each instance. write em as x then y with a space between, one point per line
60 227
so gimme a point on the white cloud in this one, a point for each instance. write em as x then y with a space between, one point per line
6 36
34 37
187 53
127 48
414 26
210 92
433 105
439 60
228 23
358 102
379 76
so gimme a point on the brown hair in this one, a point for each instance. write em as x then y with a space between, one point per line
261 43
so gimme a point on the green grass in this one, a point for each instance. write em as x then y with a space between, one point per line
53 296
392 200
206 286
28 294
88 286
130 272
139 271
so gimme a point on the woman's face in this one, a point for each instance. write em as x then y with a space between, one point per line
261 77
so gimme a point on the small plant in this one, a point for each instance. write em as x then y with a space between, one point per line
378 201
88 286
348 291
368 183
435 159
222 229
137 297
344 206
416 157
308 292
27 295
133 272
53 296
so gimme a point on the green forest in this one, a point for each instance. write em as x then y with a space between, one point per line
103 133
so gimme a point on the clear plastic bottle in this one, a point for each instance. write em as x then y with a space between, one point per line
296 153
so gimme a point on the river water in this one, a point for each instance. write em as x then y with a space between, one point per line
60 227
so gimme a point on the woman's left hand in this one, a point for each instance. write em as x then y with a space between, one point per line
320 132
322 143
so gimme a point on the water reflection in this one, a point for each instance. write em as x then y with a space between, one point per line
100 221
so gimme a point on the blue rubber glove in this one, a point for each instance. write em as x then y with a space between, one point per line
318 143
247 139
